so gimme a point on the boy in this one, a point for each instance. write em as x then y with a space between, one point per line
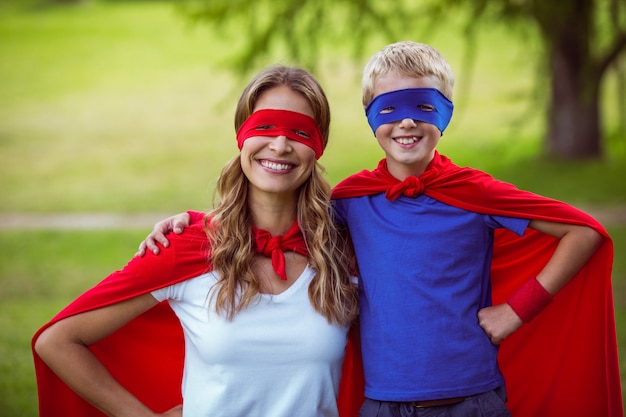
452 263
423 231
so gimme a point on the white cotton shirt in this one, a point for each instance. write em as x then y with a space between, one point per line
276 358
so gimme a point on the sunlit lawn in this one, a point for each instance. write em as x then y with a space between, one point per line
123 107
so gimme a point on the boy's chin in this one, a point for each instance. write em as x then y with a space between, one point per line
404 165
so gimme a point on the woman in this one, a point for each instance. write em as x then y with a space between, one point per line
262 288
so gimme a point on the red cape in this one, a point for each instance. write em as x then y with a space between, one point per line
563 363
146 355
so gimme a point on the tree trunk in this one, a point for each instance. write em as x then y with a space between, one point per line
574 130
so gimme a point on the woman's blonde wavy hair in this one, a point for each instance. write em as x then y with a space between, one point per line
331 292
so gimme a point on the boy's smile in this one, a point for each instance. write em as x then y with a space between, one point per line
406 141
409 145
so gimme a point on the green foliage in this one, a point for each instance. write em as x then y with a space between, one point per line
299 30
571 33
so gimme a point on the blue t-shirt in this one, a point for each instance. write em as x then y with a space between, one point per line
425 273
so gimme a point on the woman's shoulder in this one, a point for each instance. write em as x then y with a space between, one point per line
193 236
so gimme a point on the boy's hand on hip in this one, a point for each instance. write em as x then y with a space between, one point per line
498 322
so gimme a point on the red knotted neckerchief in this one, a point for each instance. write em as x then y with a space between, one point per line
275 246
411 187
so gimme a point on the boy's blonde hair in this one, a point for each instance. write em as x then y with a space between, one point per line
409 59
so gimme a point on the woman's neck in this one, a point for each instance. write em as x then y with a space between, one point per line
276 215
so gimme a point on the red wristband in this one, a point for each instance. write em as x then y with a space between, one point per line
529 300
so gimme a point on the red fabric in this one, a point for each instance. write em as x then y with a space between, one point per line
146 355
275 246
271 122
563 363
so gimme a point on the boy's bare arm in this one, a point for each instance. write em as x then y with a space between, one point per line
576 245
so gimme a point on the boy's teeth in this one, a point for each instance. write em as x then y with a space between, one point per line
275 166
407 141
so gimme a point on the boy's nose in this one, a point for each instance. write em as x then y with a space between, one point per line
408 123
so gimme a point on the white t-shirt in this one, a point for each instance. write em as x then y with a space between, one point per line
276 358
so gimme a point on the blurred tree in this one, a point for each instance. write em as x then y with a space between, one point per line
581 39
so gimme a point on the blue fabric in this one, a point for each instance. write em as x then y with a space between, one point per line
423 104
425 273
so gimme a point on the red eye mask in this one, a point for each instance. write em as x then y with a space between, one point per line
293 125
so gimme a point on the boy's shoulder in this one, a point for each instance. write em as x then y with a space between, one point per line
359 184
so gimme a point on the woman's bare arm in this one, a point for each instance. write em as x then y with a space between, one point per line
64 348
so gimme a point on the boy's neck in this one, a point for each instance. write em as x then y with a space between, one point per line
402 171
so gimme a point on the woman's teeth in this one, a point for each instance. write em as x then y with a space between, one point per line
276 166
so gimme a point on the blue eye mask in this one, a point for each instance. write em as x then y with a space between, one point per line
423 104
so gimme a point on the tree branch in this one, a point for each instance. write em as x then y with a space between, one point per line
618 46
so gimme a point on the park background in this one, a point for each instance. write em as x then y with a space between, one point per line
123 110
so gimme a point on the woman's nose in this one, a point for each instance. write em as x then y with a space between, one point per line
280 144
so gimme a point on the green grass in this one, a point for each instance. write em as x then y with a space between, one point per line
115 97
40 272
124 107
619 294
